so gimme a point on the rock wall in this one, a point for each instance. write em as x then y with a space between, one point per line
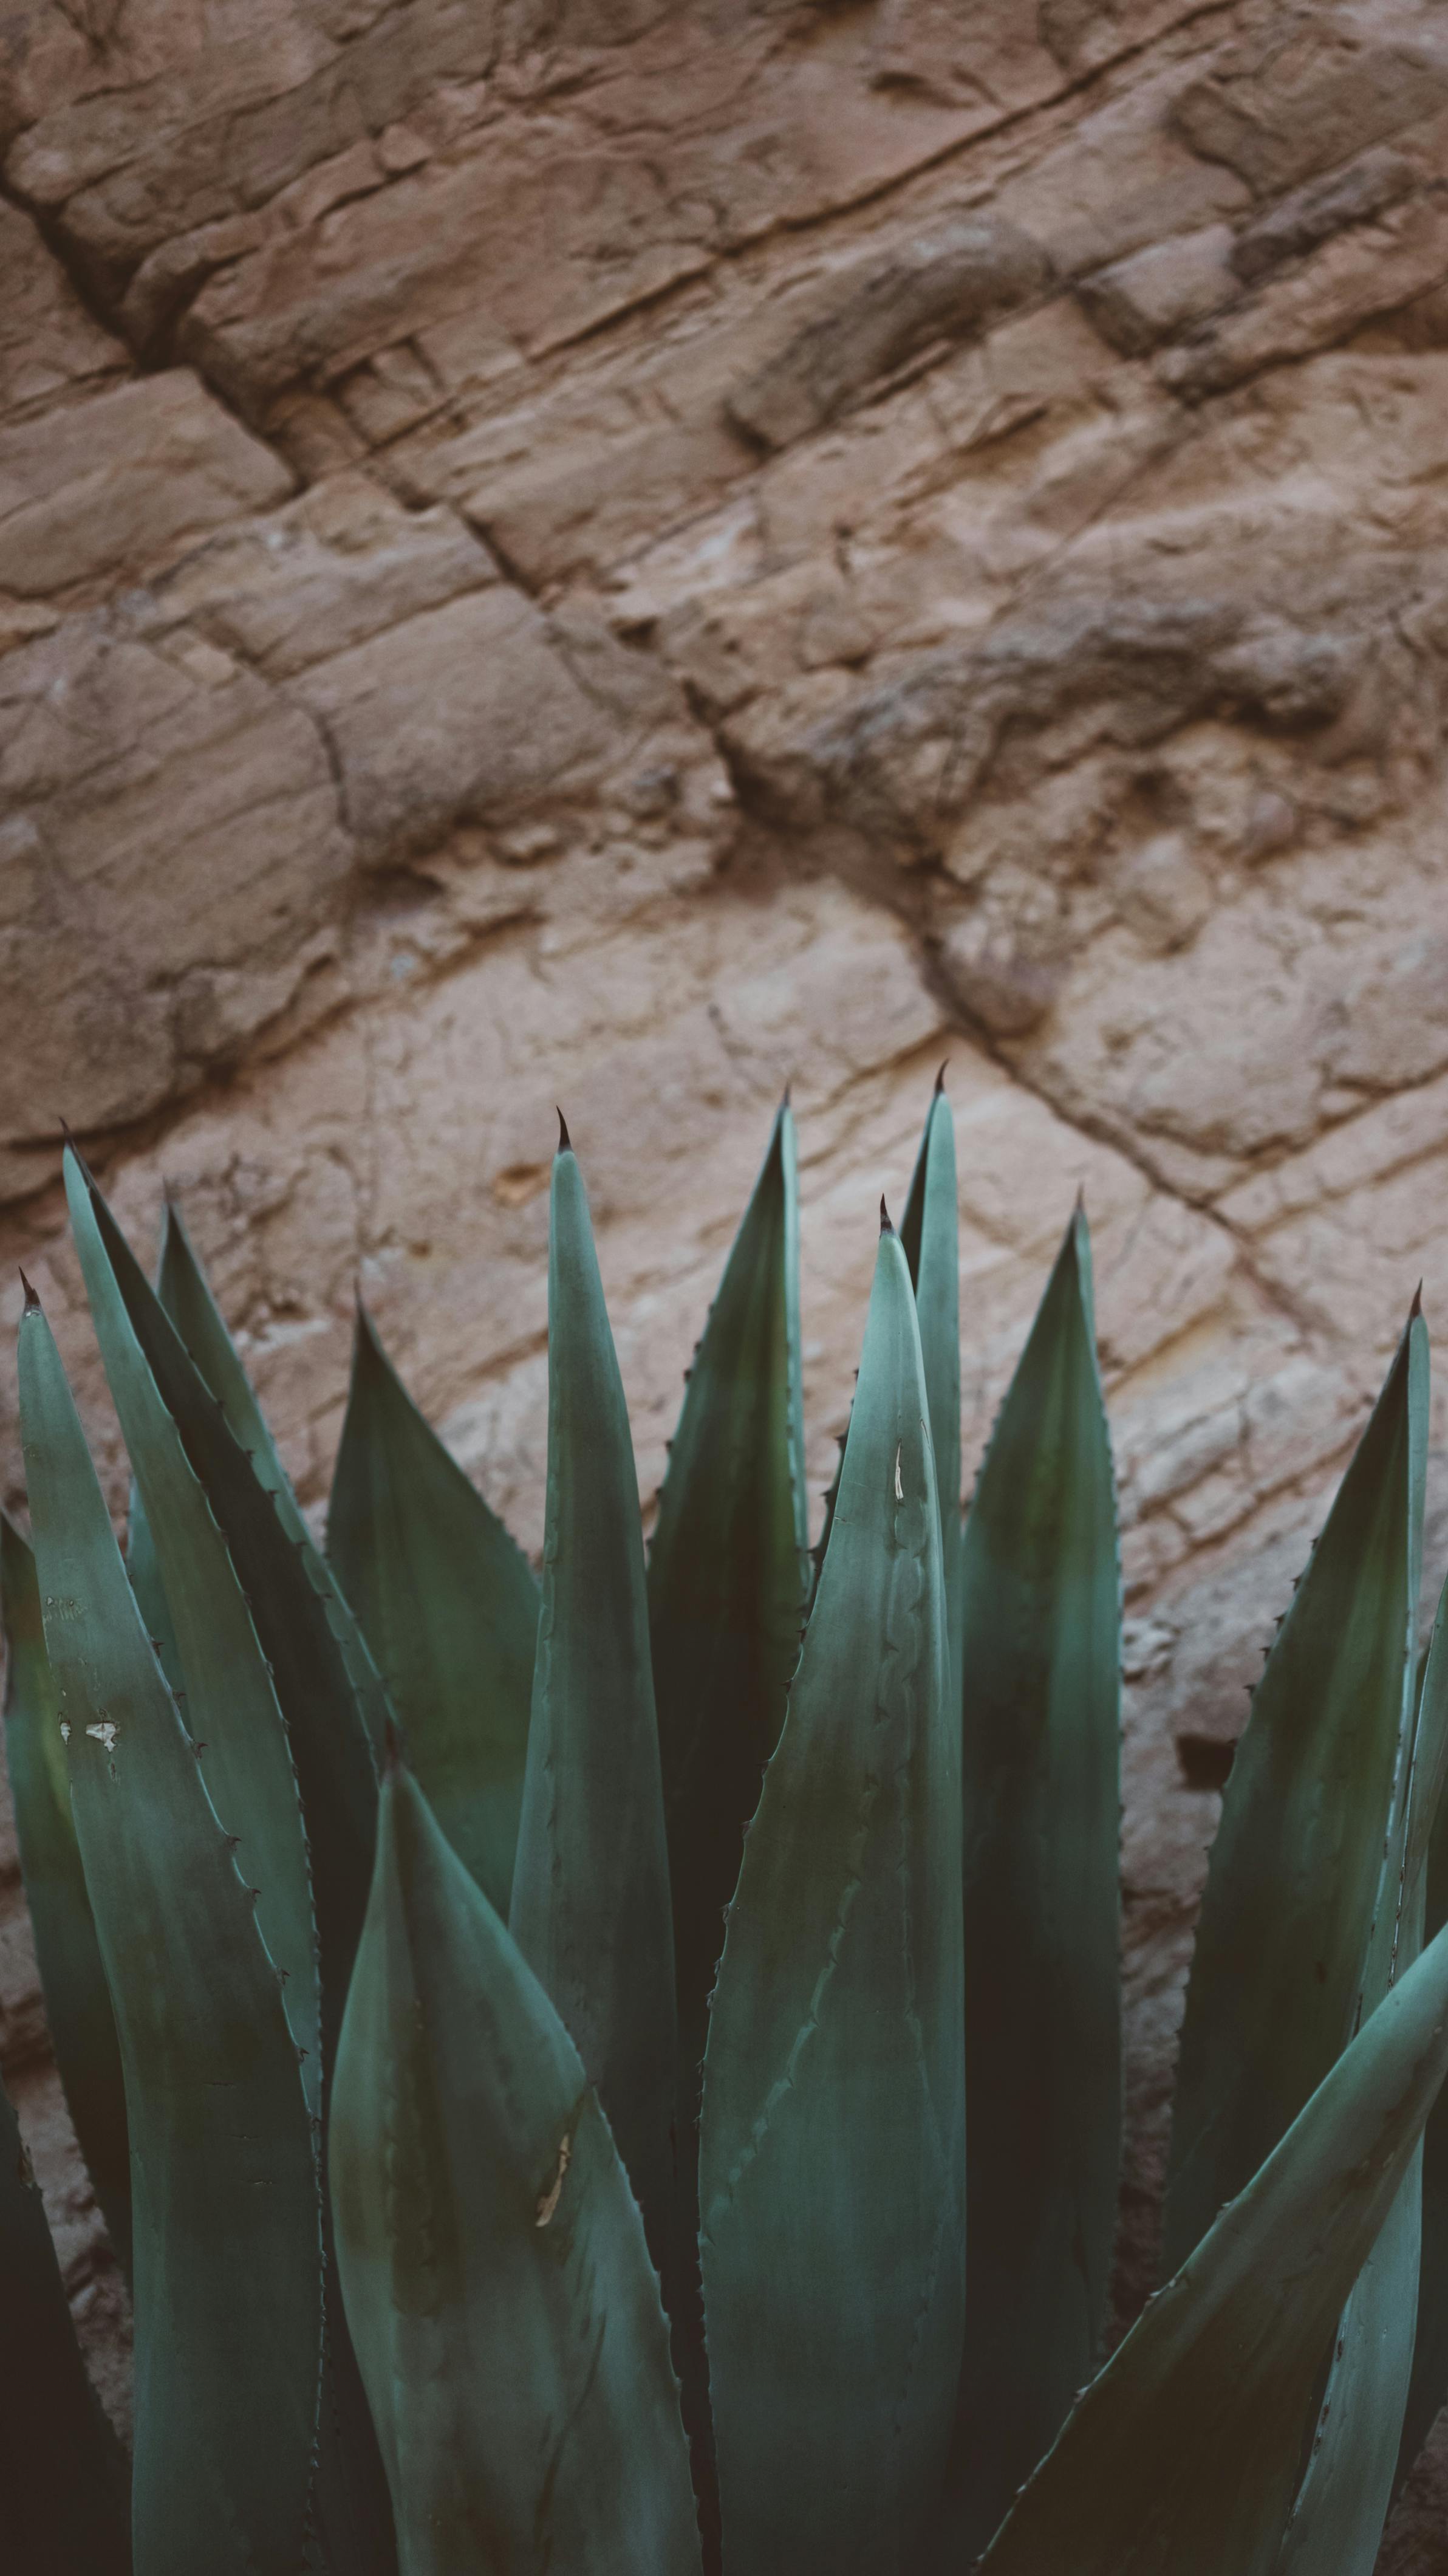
629 554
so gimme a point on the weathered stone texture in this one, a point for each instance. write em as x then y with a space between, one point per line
632 554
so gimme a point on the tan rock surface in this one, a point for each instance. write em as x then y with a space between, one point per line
629 555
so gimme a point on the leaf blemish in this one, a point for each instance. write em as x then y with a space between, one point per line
899 1488
549 2199
104 1734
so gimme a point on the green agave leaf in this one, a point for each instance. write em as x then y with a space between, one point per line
591 1906
1428 1861
832 2146
726 1575
493 2263
314 1650
1336 2523
185 1294
820 1548
448 1604
150 1591
225 2192
1181 2458
1041 1798
231 1704
930 1235
1337 2520
62 2475
726 1594
932 1248
294 1620
77 1998
1297 1871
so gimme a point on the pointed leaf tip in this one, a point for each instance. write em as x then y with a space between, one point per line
940 1078
31 1299
1416 1307
565 1144
885 1226
70 1143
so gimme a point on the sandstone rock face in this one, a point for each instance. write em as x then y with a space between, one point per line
629 555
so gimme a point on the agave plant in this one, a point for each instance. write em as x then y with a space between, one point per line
622 2073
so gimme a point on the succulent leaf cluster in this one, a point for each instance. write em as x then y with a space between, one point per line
619 2072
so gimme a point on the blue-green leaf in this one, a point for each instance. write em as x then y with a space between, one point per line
320 1667
231 1704
726 1594
1297 1870
224 2182
1040 1791
832 2145
1310 1862
77 1999
144 1570
185 1294
296 1622
495 2271
1428 1856
590 1909
62 2475
930 1234
1342 2505
1182 2456
726 1574
448 1605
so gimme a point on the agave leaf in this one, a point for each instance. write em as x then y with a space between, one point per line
493 2264
1342 2505
312 1645
145 1573
1297 1870
590 1909
1336 2523
930 1234
231 1704
726 1575
144 1570
932 1248
62 2475
820 1548
1040 1790
726 1593
224 2181
1181 2458
448 1604
188 1298
1428 1861
77 1998
832 2143
185 1294
295 1622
